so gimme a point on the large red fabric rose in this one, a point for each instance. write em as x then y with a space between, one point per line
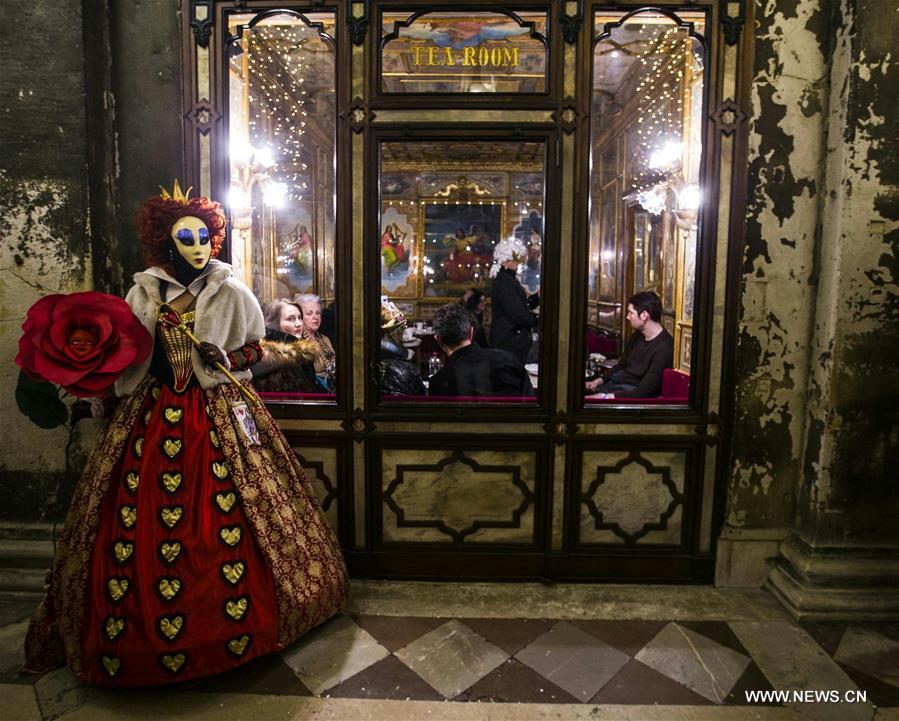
81 341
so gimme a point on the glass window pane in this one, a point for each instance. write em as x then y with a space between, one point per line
282 194
646 146
470 52
460 241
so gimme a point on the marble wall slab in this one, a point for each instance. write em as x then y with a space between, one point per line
451 491
633 493
320 464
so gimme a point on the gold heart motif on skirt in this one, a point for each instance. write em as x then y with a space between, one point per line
233 571
231 536
170 515
128 515
155 393
173 415
237 608
123 550
173 662
171 626
225 501
171 447
114 626
171 481
169 588
139 447
147 416
131 481
238 645
117 587
170 551
220 470
214 439
111 664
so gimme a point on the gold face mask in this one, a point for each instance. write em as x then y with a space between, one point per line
191 238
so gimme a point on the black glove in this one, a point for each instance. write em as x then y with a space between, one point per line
211 354
534 300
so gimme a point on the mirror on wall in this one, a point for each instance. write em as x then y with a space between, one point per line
281 123
647 111
460 239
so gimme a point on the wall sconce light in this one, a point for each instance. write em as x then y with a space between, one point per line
251 166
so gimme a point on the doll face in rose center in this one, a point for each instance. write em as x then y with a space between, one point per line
81 341
291 320
191 239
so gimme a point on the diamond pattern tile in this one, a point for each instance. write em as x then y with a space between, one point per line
333 653
388 678
510 634
688 663
451 658
572 659
752 680
513 682
394 632
697 662
879 693
828 634
627 636
637 683
868 650
718 631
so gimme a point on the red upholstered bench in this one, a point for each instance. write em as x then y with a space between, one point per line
675 391
459 399
307 397
601 343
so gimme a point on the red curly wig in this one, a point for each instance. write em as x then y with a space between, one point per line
156 217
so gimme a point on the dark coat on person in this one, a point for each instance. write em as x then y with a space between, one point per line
642 366
286 366
477 324
398 377
510 329
475 371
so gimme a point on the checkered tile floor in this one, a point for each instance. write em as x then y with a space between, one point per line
661 662
664 663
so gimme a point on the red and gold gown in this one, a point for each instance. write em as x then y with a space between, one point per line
191 545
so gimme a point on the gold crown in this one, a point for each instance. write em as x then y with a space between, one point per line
176 193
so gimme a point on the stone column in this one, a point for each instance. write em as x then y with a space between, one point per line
842 558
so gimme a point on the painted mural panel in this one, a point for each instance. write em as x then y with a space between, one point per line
463 52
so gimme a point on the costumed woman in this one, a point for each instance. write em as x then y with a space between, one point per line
513 319
287 365
325 358
396 375
194 541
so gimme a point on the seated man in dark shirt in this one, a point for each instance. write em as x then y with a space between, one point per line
471 370
650 350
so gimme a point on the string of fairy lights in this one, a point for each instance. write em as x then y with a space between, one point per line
278 96
660 104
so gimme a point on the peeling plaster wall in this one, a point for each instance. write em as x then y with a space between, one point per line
789 94
849 493
817 392
44 241
146 58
